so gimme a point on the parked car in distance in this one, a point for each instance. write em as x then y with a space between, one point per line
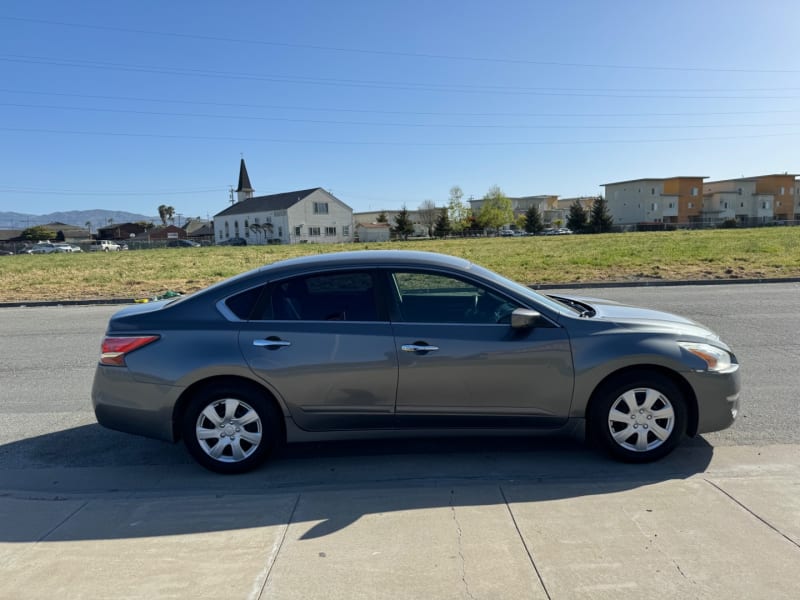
397 343
235 241
182 244
104 246
6 252
64 247
46 248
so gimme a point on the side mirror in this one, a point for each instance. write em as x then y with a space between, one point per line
524 318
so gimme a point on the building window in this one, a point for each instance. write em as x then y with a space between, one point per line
740 191
691 204
725 205
330 231
346 230
320 208
280 232
694 191
313 231
654 206
652 191
298 231
227 231
764 204
783 190
741 205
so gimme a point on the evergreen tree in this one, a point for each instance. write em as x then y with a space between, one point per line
442 228
600 220
403 225
576 220
382 218
533 220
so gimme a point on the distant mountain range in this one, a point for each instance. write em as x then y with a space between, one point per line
79 218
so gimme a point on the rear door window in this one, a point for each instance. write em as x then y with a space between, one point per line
341 296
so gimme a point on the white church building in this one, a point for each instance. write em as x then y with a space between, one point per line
302 216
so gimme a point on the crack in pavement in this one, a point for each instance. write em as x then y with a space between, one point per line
460 546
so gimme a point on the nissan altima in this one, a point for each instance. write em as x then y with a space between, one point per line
398 343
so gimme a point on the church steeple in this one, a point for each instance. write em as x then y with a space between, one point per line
245 190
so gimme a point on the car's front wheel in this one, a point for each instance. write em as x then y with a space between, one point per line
638 417
230 428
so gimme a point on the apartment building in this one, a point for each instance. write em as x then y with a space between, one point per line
656 200
546 204
752 200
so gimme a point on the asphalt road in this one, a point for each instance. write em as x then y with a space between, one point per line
48 356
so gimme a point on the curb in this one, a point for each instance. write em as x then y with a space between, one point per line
543 286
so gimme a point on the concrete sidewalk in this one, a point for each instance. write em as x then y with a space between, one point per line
732 531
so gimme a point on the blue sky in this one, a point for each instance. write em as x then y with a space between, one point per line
129 105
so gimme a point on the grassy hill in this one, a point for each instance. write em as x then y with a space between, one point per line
697 255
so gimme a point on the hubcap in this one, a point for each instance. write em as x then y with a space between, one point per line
228 430
641 419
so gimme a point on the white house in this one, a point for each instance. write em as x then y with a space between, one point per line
303 216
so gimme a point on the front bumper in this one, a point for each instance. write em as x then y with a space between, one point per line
718 398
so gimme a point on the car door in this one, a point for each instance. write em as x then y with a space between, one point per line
324 343
462 364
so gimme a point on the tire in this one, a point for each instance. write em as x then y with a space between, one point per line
230 429
638 417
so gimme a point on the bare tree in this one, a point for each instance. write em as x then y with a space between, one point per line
427 215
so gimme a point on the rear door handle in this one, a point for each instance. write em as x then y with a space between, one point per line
418 347
272 343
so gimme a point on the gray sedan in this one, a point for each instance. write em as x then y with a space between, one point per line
395 343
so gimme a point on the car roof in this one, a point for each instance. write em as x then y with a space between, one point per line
360 258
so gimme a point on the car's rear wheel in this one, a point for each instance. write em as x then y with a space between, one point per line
230 428
638 417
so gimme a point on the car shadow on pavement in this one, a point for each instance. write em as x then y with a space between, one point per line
325 486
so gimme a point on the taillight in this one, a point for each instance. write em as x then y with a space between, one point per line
115 348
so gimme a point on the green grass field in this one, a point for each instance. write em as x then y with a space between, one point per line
679 255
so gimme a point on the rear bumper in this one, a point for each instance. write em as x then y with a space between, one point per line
125 404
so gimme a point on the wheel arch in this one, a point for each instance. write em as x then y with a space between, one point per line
231 380
676 378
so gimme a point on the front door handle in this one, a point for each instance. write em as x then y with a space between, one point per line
273 343
418 347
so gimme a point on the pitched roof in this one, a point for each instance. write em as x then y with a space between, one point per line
266 203
244 179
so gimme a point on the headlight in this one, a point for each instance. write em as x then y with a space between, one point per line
715 358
